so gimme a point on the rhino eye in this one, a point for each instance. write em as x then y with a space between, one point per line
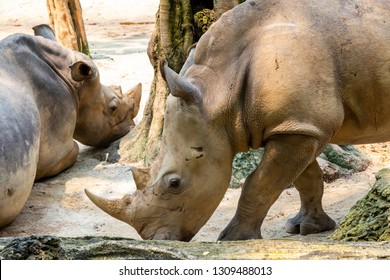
174 183
113 105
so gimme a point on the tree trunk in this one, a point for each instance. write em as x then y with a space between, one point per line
172 37
222 6
67 22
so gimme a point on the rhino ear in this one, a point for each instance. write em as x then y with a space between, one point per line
180 86
189 61
82 70
45 31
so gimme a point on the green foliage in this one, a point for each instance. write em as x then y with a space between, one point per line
85 50
203 20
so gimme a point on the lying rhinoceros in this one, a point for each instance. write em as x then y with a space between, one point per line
289 76
48 96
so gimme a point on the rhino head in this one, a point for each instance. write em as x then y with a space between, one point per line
105 113
190 176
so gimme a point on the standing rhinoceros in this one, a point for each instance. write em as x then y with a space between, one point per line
289 76
48 96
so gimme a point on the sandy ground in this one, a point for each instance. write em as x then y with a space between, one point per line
59 206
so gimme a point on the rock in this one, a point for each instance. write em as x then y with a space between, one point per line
335 161
89 248
82 248
243 165
341 161
33 248
369 218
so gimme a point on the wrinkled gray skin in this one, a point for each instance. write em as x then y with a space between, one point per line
289 76
49 96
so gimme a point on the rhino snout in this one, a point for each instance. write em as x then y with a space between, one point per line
167 234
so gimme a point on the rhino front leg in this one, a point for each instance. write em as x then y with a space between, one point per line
311 217
285 158
54 166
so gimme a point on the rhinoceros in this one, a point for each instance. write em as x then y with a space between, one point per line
289 76
50 95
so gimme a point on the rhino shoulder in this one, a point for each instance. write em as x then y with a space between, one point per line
18 40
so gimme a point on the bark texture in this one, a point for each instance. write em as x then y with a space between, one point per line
171 39
173 35
221 6
67 22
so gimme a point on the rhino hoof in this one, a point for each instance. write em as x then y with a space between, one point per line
308 224
234 231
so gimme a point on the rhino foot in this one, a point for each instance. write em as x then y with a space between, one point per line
239 231
309 224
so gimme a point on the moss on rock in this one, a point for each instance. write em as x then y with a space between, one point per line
341 161
243 165
33 248
113 248
335 162
369 218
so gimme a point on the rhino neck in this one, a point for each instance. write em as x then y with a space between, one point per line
226 105
59 58
229 95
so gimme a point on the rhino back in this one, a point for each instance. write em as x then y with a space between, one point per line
311 67
39 68
38 63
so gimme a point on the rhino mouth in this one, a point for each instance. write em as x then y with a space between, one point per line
167 236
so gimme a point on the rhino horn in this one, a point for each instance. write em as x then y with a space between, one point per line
179 86
141 176
135 94
117 208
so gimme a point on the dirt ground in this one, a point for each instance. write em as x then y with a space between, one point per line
58 206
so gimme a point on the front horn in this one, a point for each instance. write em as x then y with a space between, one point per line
117 208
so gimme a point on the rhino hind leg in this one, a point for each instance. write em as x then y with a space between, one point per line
285 159
19 155
311 217
14 194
